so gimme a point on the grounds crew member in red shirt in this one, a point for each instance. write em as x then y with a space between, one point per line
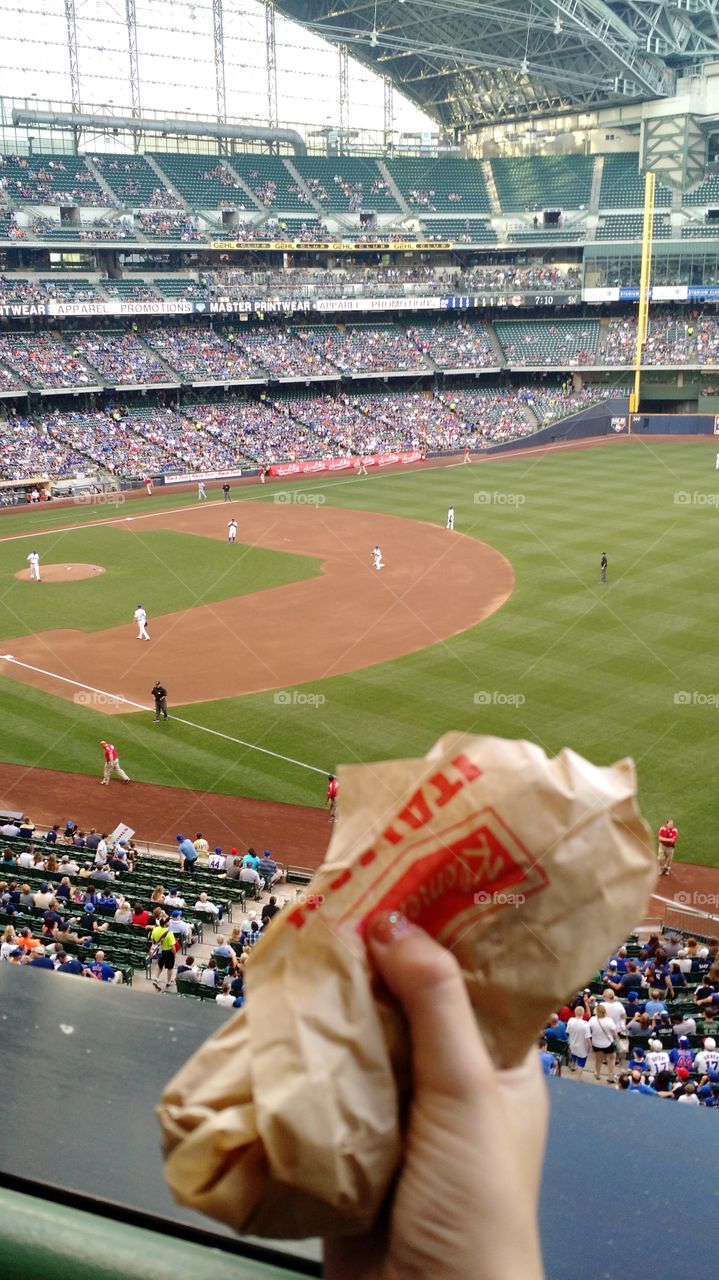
112 764
332 790
667 842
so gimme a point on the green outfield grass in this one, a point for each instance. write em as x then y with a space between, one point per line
564 662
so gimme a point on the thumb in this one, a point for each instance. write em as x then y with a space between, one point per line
448 1053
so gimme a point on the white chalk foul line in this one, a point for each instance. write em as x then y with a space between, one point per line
203 728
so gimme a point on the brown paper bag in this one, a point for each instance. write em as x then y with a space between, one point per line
286 1122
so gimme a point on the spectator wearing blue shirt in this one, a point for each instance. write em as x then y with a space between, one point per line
654 1004
547 1060
708 1094
632 1082
101 970
268 869
68 964
187 852
638 1061
556 1030
106 901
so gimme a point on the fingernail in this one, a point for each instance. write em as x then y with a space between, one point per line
388 926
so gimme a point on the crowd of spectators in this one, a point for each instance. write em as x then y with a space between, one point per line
649 1009
109 441
550 404
491 414
365 348
258 430
693 339
168 225
283 356
455 344
189 438
200 353
120 356
50 181
29 450
45 360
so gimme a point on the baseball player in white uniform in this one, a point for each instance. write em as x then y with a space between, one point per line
450 518
34 562
232 531
201 490
377 557
141 620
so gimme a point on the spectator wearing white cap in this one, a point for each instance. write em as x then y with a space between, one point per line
657 1058
706 1063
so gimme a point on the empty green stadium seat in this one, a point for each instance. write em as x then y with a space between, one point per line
543 182
441 186
628 226
462 230
623 185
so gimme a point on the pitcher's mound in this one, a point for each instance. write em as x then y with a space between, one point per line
63 572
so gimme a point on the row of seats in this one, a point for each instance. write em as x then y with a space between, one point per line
340 185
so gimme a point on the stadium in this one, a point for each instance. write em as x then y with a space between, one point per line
359 386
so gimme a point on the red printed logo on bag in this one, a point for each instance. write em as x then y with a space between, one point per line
478 866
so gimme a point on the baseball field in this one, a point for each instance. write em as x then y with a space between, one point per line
287 654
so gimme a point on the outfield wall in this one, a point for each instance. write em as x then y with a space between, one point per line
604 419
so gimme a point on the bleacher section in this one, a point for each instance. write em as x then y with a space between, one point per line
543 182
549 235
272 183
556 343
461 230
44 360
623 185
700 231
441 186
134 182
628 226
707 193
200 354
120 357
455 345
203 181
51 180
349 184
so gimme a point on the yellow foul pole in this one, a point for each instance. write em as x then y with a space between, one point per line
644 289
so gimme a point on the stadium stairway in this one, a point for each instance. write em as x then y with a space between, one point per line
254 200
163 179
491 189
496 346
596 185
297 177
101 182
393 187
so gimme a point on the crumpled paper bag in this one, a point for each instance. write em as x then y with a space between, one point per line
286 1122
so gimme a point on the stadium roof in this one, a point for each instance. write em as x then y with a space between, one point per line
470 63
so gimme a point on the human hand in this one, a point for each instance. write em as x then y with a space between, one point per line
465 1203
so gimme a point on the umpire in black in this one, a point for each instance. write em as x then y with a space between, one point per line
159 693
